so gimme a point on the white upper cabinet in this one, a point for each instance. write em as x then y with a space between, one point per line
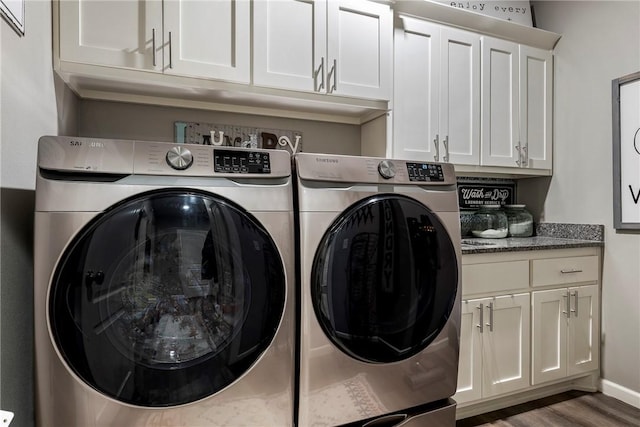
436 93
536 75
195 38
516 105
329 47
207 39
119 33
460 96
500 103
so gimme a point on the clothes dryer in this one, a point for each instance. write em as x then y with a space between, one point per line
163 285
380 291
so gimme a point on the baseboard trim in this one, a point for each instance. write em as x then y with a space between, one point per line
494 404
619 392
587 383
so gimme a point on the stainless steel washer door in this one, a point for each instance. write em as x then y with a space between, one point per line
384 279
167 298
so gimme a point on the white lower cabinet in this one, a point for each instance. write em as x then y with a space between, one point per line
530 322
565 332
494 350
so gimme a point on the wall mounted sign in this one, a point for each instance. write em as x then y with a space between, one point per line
472 195
518 11
626 152
238 136
13 12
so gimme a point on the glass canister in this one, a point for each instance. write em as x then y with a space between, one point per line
490 222
520 221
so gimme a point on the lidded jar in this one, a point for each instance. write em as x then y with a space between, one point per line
520 221
490 222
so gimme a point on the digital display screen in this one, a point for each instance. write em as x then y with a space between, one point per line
428 172
231 161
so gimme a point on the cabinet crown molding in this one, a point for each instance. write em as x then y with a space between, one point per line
476 22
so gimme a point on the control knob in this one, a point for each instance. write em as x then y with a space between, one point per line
386 169
179 158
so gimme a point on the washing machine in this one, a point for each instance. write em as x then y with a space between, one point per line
164 288
379 289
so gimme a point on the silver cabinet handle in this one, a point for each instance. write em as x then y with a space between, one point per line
170 53
481 324
436 143
153 45
332 72
445 142
572 270
321 73
519 161
525 149
575 310
567 304
490 324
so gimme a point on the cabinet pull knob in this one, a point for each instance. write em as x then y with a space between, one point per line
481 324
567 305
436 143
332 73
321 73
445 142
525 149
153 45
519 161
490 324
170 53
571 270
575 310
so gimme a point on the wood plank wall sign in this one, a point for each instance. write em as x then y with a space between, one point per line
518 11
626 152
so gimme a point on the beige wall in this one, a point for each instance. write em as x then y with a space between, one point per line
132 121
33 103
600 42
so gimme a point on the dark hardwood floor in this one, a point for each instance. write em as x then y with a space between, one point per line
570 409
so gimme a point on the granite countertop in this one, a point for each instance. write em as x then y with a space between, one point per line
547 236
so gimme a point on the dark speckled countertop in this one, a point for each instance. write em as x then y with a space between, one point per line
548 236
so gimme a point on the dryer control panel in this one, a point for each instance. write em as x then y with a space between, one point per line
428 172
230 161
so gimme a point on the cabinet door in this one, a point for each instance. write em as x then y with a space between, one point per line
500 144
114 33
289 44
416 82
470 363
359 43
583 343
207 39
506 344
535 107
549 340
460 97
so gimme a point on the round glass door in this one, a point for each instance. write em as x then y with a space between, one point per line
167 298
384 279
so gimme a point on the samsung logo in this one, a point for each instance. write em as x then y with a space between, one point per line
90 144
322 160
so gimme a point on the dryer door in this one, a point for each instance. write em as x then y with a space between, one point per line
166 298
384 279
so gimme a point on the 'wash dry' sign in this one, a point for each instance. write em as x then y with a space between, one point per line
626 152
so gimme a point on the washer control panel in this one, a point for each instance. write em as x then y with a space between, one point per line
429 172
231 161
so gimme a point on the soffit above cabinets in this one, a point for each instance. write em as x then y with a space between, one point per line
476 22
113 84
